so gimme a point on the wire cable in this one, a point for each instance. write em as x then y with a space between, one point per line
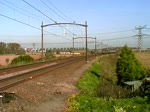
39 11
53 10
59 11
20 22
70 20
30 26
41 19
112 32
115 38
46 15
19 11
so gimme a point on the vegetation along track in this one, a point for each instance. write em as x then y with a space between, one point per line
10 81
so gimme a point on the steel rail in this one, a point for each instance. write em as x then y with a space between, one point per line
27 66
12 81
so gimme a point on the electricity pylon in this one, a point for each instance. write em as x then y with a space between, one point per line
140 36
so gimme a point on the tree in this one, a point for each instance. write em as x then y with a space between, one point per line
13 47
9 48
2 48
21 51
49 54
128 68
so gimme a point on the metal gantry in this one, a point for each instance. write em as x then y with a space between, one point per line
85 41
83 25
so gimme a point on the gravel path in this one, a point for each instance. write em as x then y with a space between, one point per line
48 93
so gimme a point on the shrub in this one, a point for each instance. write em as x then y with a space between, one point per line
22 59
128 68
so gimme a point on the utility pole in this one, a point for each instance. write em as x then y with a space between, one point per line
33 45
86 47
140 36
42 40
73 46
95 46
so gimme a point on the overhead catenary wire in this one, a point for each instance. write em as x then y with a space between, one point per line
53 10
31 14
68 18
19 11
115 38
28 16
20 22
19 36
38 10
53 43
45 15
59 10
122 31
31 26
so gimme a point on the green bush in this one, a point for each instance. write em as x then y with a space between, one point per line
128 68
22 59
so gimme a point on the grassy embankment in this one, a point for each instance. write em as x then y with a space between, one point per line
99 92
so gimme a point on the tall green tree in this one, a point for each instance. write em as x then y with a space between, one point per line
128 67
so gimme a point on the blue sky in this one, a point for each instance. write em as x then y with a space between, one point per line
101 15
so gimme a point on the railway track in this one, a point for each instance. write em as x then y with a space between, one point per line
33 65
20 75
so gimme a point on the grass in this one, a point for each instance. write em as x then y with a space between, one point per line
86 103
90 98
144 58
89 83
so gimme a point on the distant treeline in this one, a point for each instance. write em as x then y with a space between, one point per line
11 48
15 48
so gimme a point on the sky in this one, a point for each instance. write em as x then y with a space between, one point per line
112 22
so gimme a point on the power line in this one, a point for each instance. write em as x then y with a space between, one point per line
20 22
19 36
115 38
39 18
45 15
19 11
70 20
31 26
38 10
24 22
59 10
54 43
112 32
53 10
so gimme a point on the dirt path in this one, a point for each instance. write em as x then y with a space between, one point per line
66 88
48 93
